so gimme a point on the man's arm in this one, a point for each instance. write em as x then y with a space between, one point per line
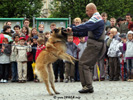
80 34
88 26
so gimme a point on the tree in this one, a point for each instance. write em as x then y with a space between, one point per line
76 8
20 8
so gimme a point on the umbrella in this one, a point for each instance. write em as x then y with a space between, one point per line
33 67
2 36
98 71
122 68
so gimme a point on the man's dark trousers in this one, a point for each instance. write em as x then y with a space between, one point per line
87 61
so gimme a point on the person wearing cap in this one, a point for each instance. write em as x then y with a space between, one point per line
21 52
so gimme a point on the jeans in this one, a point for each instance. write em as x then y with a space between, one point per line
30 71
58 67
130 68
4 71
14 71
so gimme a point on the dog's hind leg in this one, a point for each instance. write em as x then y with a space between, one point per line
51 78
45 76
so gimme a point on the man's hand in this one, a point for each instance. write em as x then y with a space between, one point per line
69 30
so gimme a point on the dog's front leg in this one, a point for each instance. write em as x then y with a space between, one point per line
66 57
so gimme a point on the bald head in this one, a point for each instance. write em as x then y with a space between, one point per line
91 9
91 6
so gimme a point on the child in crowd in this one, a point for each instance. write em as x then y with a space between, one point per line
58 67
128 47
41 28
77 22
30 60
21 51
33 32
121 55
25 31
5 51
69 67
17 31
130 26
81 46
13 59
46 36
114 63
52 27
34 47
40 47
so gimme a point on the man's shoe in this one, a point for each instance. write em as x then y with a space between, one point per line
86 90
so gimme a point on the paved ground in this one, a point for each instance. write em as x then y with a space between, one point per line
69 91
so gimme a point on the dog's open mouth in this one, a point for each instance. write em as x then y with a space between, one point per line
64 30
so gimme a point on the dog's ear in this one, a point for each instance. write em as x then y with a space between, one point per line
56 30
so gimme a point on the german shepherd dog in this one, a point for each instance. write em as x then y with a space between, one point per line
55 49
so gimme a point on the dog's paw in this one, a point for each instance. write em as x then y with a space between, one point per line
57 92
51 94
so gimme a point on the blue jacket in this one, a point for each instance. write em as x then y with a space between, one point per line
95 24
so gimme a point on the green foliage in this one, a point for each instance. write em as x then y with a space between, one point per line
76 8
20 8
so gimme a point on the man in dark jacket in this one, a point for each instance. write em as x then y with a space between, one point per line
95 45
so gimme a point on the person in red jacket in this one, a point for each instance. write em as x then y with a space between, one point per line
77 21
40 46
